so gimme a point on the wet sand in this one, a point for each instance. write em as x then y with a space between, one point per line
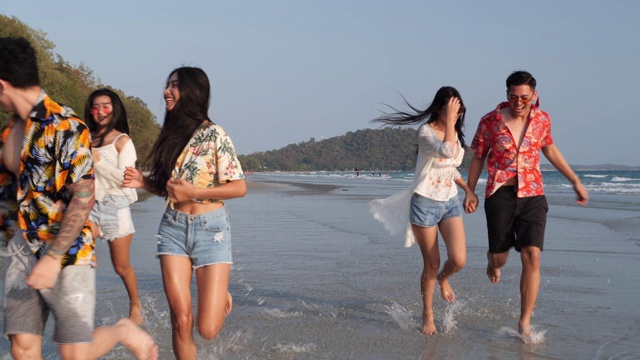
315 277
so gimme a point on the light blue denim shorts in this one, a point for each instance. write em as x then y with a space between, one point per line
203 238
426 212
113 216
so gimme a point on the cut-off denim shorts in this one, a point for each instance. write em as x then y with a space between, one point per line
113 216
426 212
203 238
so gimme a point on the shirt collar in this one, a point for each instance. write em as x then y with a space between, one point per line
39 111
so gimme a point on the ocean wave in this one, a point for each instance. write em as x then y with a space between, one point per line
598 176
623 179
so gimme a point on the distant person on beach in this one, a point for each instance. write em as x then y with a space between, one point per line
110 218
431 204
46 195
510 138
194 164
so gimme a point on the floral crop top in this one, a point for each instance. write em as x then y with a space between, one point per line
209 159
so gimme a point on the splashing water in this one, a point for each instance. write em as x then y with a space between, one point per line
402 316
293 348
537 337
449 322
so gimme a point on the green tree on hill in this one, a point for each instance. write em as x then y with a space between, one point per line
71 85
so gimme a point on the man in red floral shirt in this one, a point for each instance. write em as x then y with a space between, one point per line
510 139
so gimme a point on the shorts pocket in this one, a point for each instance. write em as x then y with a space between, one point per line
167 219
216 224
116 202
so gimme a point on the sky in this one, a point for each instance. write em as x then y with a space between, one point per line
283 72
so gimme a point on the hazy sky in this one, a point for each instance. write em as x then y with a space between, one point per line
283 72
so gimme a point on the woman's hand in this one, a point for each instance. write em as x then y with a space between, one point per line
470 202
180 190
452 110
132 178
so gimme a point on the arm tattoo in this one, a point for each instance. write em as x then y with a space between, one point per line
75 216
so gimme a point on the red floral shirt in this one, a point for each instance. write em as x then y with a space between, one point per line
504 160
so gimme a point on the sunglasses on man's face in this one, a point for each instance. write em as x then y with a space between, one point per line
524 99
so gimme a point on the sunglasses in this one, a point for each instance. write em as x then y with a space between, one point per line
524 99
106 109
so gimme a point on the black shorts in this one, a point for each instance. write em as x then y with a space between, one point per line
515 222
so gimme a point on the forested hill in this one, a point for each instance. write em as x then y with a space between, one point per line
71 85
367 149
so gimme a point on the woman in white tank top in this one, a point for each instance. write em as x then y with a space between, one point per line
112 151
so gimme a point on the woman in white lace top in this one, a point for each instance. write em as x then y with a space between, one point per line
432 203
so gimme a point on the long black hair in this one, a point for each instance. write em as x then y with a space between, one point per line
119 115
180 123
429 115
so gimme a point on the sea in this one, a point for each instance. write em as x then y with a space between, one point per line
316 277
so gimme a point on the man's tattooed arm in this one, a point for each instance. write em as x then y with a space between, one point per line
76 214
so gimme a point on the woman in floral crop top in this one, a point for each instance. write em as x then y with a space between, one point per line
193 163
431 203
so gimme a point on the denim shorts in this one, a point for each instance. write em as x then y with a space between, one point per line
426 212
72 300
203 238
113 216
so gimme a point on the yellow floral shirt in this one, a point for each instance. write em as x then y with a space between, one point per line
209 159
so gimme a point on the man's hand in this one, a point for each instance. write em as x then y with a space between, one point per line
45 274
582 194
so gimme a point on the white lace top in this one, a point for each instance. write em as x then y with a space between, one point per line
109 170
434 178
438 181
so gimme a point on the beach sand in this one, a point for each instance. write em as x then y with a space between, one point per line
316 277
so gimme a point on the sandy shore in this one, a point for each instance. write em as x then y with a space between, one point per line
315 277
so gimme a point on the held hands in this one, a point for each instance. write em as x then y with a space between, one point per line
45 273
132 178
470 202
180 190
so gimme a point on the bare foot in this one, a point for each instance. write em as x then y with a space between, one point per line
229 304
492 272
446 292
138 341
428 325
136 314
524 328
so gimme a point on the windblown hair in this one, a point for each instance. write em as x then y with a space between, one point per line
119 114
180 123
429 115
18 62
521 78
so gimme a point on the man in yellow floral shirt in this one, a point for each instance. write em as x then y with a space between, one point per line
47 192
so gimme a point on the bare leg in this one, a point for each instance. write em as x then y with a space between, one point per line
176 277
120 249
427 239
452 231
214 299
26 346
105 338
529 286
494 262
